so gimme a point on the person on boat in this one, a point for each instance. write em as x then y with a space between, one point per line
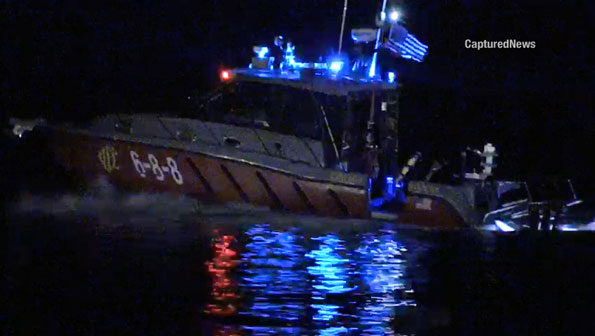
289 56
277 52
362 57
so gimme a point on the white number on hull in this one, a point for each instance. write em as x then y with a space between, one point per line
154 166
138 164
175 173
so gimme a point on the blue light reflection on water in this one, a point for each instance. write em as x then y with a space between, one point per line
293 283
330 282
382 269
273 274
329 271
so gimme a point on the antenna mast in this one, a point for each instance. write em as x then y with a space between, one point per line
372 71
342 25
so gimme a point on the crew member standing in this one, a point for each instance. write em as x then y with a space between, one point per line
277 52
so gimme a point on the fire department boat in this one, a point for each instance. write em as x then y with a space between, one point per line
296 141
317 138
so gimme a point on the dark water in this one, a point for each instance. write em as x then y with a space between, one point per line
110 263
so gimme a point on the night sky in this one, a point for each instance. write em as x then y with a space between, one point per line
71 60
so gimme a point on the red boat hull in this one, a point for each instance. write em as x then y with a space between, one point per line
203 176
140 166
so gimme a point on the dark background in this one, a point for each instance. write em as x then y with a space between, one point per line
72 60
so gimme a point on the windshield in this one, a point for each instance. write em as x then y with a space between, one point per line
274 108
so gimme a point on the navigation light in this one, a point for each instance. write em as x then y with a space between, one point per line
225 75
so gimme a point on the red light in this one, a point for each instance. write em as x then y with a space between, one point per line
225 75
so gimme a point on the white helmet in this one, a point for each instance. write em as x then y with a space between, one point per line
279 41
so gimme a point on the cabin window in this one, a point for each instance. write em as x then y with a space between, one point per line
295 113
240 104
269 107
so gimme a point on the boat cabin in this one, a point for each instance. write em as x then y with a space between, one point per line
326 120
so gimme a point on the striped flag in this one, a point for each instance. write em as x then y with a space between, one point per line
405 45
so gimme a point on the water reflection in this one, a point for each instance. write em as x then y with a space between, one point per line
331 277
273 275
294 282
330 272
71 266
224 289
382 271
224 330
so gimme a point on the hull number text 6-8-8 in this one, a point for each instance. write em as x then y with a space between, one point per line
154 166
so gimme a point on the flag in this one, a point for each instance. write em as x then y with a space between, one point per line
403 44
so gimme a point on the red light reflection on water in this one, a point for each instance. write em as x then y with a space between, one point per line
226 331
224 289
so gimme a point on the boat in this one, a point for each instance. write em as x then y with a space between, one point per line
316 138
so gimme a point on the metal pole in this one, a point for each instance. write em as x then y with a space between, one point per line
370 130
328 129
372 70
342 26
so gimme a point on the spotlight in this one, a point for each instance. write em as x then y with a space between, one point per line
503 226
391 77
394 16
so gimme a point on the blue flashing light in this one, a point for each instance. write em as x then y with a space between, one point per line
391 77
382 16
503 226
372 71
336 66
390 186
291 61
290 56
263 52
